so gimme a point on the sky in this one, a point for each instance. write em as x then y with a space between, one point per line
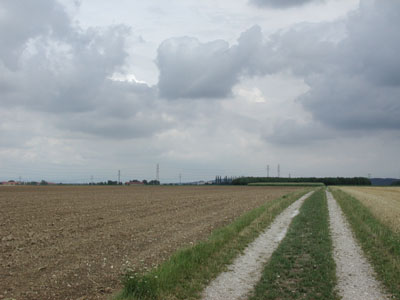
202 88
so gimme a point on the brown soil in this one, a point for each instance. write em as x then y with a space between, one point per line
69 242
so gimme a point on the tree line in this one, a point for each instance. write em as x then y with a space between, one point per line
324 180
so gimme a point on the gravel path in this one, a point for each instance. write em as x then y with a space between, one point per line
246 270
356 278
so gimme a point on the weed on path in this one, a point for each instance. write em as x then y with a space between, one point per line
302 267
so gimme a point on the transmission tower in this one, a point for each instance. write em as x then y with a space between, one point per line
119 176
279 170
180 179
267 170
158 172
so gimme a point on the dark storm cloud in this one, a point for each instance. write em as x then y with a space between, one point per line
21 21
280 3
125 110
49 65
361 88
191 69
351 66
354 83
292 133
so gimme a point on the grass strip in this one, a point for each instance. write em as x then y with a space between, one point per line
302 267
380 244
189 270
286 184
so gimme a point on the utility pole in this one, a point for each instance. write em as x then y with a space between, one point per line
91 179
279 171
119 176
158 172
267 170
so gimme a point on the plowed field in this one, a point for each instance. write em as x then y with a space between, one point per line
70 242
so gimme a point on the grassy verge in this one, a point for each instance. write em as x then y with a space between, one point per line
380 244
189 270
302 267
316 184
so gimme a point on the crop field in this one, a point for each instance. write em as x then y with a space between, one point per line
383 202
70 242
313 184
373 213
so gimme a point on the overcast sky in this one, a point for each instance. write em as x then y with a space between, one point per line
204 88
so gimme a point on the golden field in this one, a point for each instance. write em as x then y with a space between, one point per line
384 203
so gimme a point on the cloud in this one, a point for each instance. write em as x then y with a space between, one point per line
51 66
191 69
22 21
360 88
281 3
354 81
292 132
350 65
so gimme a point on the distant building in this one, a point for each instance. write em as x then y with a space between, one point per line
134 182
9 183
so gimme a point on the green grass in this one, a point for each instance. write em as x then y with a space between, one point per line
286 184
189 270
380 244
302 267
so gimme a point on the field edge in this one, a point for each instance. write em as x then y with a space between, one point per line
380 244
189 270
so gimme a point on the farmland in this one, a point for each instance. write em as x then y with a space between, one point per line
383 202
371 213
66 242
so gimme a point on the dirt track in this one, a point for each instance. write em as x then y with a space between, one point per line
244 273
71 242
356 277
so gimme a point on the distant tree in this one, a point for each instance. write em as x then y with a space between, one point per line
144 181
396 183
154 182
325 180
44 182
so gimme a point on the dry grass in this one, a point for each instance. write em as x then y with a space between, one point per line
383 202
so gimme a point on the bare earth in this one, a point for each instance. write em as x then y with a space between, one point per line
356 279
69 242
245 271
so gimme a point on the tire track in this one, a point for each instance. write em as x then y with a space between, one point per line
246 270
356 278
